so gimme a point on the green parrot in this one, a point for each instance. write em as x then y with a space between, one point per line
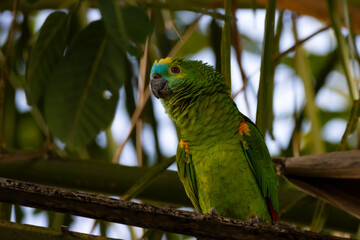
222 159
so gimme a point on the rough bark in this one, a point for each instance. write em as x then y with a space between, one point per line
345 165
166 219
333 177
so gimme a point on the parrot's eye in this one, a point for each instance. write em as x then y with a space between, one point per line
175 70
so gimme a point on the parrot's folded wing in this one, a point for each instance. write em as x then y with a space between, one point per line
260 161
187 175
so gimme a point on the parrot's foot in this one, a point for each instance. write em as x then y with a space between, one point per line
254 219
214 212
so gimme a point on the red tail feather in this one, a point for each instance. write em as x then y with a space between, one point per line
274 213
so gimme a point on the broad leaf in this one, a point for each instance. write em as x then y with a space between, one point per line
137 23
84 92
196 42
264 111
127 26
45 55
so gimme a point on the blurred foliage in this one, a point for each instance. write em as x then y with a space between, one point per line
75 72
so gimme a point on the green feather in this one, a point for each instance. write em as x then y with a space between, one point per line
187 176
219 166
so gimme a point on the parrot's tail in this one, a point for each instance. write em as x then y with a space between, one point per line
274 213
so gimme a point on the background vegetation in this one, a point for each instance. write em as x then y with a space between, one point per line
78 73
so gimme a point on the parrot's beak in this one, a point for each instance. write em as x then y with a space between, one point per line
159 86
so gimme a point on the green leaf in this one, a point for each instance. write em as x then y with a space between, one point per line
251 45
301 214
343 49
137 23
264 113
115 24
113 19
45 55
195 43
147 179
84 92
191 42
351 125
19 214
5 211
32 1
320 216
27 133
303 70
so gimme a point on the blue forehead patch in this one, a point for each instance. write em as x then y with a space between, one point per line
160 68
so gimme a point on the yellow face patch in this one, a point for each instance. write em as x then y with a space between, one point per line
244 128
163 61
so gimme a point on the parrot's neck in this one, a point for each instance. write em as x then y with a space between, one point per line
206 119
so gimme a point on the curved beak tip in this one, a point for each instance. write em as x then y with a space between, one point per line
159 87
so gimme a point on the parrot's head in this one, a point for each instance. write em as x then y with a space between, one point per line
176 79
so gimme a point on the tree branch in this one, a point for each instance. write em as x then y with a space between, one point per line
331 177
10 230
317 175
344 165
167 219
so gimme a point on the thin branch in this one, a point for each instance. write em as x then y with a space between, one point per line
237 44
180 43
23 155
135 117
298 43
165 219
141 90
172 24
238 47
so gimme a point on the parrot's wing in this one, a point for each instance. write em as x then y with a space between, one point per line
187 174
260 161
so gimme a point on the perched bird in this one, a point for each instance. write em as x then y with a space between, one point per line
222 159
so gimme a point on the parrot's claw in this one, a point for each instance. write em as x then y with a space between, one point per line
254 219
214 212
